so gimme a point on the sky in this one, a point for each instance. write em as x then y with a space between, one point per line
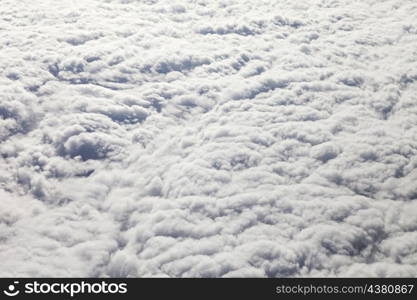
208 138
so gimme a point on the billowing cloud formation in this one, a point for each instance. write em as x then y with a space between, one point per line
208 138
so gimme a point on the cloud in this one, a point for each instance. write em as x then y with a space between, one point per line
208 138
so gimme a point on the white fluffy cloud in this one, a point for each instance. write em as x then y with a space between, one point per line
208 138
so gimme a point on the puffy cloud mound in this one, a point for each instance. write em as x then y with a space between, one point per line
208 138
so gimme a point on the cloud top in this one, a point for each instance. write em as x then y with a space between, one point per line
208 138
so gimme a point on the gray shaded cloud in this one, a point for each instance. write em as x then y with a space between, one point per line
208 138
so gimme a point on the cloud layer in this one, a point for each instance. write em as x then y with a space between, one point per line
208 138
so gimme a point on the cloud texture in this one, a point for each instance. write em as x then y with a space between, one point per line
208 138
